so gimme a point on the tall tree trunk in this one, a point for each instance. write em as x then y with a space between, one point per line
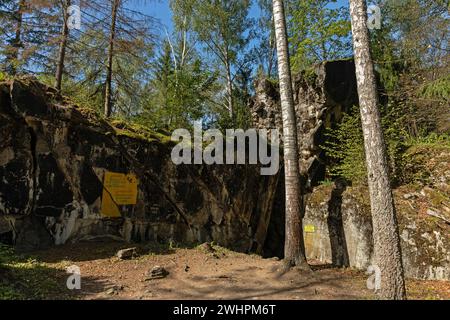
387 249
229 88
17 41
271 62
294 251
112 36
62 46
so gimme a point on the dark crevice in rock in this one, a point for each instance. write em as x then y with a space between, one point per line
34 179
274 244
8 237
338 243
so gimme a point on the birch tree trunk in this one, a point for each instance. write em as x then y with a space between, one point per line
386 238
229 86
294 250
62 46
108 89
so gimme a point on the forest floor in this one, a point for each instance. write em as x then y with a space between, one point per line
194 273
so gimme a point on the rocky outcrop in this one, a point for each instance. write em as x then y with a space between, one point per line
54 155
338 226
53 158
321 95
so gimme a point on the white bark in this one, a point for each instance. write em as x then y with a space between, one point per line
388 255
294 245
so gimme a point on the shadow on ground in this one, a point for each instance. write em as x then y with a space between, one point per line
25 277
89 251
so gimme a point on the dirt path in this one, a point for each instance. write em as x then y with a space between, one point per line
198 274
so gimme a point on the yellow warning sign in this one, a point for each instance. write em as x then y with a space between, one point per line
310 228
109 208
118 189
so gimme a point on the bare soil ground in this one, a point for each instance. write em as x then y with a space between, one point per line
197 273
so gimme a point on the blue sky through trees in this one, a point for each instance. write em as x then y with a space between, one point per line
160 10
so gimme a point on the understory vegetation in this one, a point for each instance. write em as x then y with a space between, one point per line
24 277
411 59
345 149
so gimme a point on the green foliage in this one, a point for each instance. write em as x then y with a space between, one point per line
223 29
136 130
425 156
345 147
318 32
433 139
179 93
265 52
4 76
241 119
410 53
30 47
242 116
131 62
222 25
6 254
438 89
327 183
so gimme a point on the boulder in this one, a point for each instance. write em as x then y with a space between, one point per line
126 254
157 272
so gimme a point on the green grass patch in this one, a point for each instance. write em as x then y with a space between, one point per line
25 278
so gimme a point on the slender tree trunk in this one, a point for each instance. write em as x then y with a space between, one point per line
271 63
62 46
229 89
294 251
272 49
108 89
387 249
17 41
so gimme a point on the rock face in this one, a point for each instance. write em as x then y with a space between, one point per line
54 155
321 95
338 230
338 227
53 158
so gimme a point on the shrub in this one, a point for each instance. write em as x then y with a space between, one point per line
344 147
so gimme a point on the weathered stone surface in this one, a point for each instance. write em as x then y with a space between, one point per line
125 254
53 157
321 96
425 240
157 272
340 216
343 227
